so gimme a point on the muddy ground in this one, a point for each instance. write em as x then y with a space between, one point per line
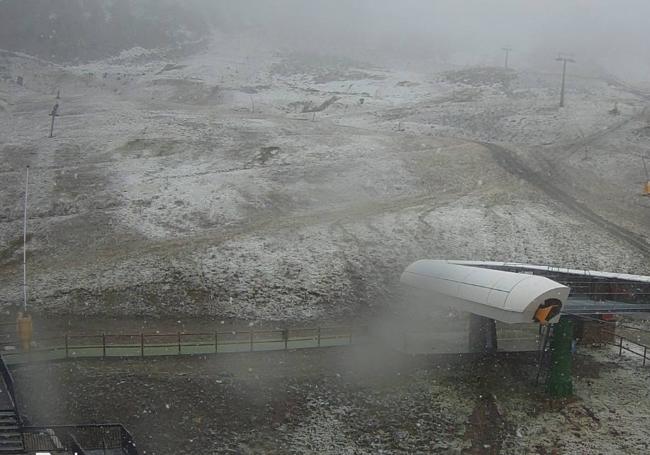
196 185
359 400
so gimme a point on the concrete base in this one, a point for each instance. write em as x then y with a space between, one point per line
593 332
482 334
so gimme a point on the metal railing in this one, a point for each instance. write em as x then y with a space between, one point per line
71 346
9 384
625 344
80 439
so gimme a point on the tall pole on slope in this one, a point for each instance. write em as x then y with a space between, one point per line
24 326
507 50
53 114
564 59
646 186
25 244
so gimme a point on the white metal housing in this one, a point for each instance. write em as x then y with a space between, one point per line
504 296
546 268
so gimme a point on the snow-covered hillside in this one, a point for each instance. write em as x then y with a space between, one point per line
206 184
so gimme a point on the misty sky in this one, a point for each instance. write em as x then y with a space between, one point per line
612 34
609 32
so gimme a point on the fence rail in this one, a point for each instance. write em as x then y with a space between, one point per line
625 344
71 346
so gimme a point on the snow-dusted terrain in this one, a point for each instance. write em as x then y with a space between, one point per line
350 402
205 184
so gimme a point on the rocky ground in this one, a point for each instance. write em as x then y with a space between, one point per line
213 183
362 401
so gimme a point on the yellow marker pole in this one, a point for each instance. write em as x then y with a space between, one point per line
646 187
25 329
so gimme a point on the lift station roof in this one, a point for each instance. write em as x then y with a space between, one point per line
560 270
504 296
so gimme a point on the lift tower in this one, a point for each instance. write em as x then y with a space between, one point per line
564 59
507 50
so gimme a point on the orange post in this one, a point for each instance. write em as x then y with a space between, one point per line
25 330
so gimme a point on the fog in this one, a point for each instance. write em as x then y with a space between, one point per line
208 177
609 34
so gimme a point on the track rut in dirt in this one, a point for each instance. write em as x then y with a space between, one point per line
514 165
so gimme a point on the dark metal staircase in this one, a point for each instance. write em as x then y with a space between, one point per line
11 440
18 439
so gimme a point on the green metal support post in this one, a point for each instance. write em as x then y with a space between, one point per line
560 384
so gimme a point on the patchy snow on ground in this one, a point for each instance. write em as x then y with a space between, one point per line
609 415
162 161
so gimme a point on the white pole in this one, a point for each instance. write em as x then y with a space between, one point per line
25 246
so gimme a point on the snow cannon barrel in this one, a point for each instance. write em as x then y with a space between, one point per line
512 298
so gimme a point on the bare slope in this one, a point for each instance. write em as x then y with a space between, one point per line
197 186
